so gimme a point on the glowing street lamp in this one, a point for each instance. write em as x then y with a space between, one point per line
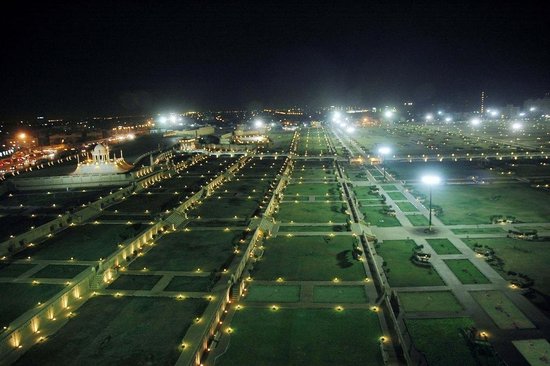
475 121
258 123
516 126
431 180
429 117
388 114
383 151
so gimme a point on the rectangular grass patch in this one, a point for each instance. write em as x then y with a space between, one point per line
273 293
59 271
440 301
502 310
134 282
340 294
466 272
443 246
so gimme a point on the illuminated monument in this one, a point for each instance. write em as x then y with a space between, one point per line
102 163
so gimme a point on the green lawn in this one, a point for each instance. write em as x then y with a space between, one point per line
311 189
389 187
443 246
376 217
400 270
301 228
397 196
528 257
466 272
59 271
503 311
83 242
189 283
418 220
406 206
478 230
303 337
18 298
441 301
316 212
14 269
225 207
120 331
475 204
440 340
273 293
189 251
309 258
340 294
134 282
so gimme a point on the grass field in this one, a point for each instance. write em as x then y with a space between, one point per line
479 230
442 301
316 212
311 189
435 337
443 246
397 196
466 272
17 298
59 271
273 293
375 216
475 204
83 242
189 283
225 208
189 251
340 294
14 269
406 206
309 258
400 270
303 337
528 257
418 220
120 331
134 282
301 228
503 311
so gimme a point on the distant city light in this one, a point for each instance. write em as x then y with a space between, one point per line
448 119
493 113
163 119
475 121
429 117
22 135
532 109
350 129
439 113
388 114
522 114
258 123
517 126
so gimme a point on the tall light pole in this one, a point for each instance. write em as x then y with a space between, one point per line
431 180
383 151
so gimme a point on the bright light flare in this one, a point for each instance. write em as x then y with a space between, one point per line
517 126
431 180
429 117
448 119
475 121
384 150
258 123
388 114
350 129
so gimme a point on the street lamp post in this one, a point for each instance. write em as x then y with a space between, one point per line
384 150
430 180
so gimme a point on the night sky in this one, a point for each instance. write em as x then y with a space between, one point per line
131 57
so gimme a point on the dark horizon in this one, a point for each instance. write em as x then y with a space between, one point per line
145 58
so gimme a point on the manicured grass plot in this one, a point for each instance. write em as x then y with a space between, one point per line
466 272
215 207
400 270
375 216
154 203
303 337
316 228
311 189
309 258
190 283
340 294
59 271
18 298
14 269
478 230
396 196
406 206
316 212
534 350
443 246
418 220
435 337
441 301
475 204
18 224
520 256
189 251
273 293
389 187
83 242
120 331
134 282
502 310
